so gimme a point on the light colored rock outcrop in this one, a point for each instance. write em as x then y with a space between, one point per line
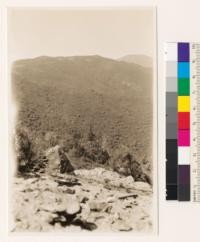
101 201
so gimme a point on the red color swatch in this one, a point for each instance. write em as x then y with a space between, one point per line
183 120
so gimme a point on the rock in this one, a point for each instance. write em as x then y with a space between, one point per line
84 199
85 211
142 186
121 225
110 199
57 161
73 206
106 180
68 183
63 218
65 164
98 174
116 215
128 196
108 209
53 158
128 206
68 204
70 191
127 181
99 217
84 224
97 206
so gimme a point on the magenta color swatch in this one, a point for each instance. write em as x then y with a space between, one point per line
183 137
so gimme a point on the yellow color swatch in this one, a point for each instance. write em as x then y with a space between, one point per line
183 103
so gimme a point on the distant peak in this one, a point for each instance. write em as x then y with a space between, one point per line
142 60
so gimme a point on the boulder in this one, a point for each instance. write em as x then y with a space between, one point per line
73 205
58 161
68 204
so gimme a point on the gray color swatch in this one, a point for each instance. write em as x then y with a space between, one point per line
171 100
171 84
171 130
171 69
171 115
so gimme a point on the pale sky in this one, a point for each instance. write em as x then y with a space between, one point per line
111 33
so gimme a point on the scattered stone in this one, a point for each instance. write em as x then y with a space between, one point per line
99 217
70 191
49 204
97 207
63 218
129 195
110 199
142 186
106 180
121 225
108 209
28 190
108 187
85 190
84 199
67 183
116 215
85 225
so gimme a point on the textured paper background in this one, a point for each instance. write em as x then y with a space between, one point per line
177 20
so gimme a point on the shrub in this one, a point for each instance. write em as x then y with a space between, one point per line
91 136
94 150
23 148
51 139
125 163
79 151
68 143
121 161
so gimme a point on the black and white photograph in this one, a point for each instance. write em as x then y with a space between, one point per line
81 119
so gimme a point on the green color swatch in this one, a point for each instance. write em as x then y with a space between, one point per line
183 86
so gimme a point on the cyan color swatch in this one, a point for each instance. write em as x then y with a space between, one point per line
183 70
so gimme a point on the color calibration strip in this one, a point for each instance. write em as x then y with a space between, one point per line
171 121
183 121
178 121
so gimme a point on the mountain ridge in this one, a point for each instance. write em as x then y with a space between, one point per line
142 60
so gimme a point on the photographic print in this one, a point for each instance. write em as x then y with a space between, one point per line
81 119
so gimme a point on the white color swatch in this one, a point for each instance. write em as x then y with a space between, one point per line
172 52
183 155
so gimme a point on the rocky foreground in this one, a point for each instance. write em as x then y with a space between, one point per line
90 200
